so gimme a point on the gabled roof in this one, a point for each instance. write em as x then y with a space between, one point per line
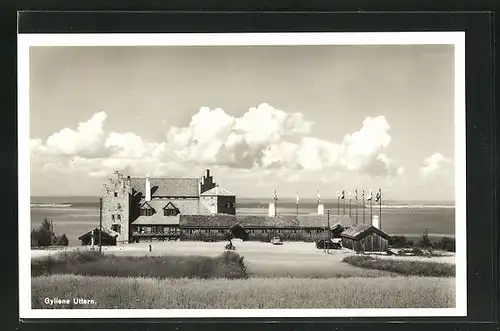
360 231
146 205
167 187
105 233
169 205
157 219
336 226
218 191
226 221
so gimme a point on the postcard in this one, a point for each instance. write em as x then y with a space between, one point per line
242 175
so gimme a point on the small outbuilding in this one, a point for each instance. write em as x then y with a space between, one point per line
91 238
365 238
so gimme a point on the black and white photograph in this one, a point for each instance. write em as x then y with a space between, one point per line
235 175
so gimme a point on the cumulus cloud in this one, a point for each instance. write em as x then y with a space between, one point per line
86 140
265 142
267 137
436 165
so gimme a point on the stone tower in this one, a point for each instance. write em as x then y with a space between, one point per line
115 207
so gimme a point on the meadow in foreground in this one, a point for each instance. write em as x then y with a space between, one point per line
252 293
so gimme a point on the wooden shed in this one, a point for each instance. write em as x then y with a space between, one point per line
107 239
365 238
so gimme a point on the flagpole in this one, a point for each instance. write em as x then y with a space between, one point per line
338 207
297 202
380 210
350 201
328 231
100 224
371 214
363 206
356 210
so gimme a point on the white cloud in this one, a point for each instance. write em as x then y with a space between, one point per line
265 144
86 140
436 165
266 137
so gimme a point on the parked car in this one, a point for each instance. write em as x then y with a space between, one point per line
276 241
329 244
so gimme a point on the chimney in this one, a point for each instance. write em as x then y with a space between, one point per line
375 221
321 209
272 210
148 189
208 173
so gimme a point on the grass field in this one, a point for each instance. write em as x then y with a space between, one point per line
253 293
405 267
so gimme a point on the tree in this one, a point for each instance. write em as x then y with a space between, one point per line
424 241
44 236
62 240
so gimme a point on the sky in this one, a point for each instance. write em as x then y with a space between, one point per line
262 118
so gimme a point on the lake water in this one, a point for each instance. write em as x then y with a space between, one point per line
77 215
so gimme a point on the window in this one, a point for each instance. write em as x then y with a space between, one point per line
113 217
116 194
146 212
116 228
170 212
119 217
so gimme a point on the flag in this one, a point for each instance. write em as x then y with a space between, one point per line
297 198
379 195
318 197
275 196
338 194
342 196
349 195
356 194
370 196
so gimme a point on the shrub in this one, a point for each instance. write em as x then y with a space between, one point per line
445 244
400 242
227 265
62 240
405 267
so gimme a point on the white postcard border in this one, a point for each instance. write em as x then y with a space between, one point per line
25 41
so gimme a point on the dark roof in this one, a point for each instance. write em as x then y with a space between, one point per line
218 191
157 219
226 221
105 233
360 231
167 187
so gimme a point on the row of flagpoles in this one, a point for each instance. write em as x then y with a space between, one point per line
341 195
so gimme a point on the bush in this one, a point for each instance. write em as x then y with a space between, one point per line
62 240
227 265
405 267
400 242
445 244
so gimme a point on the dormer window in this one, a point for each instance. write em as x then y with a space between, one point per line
116 194
146 210
170 210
